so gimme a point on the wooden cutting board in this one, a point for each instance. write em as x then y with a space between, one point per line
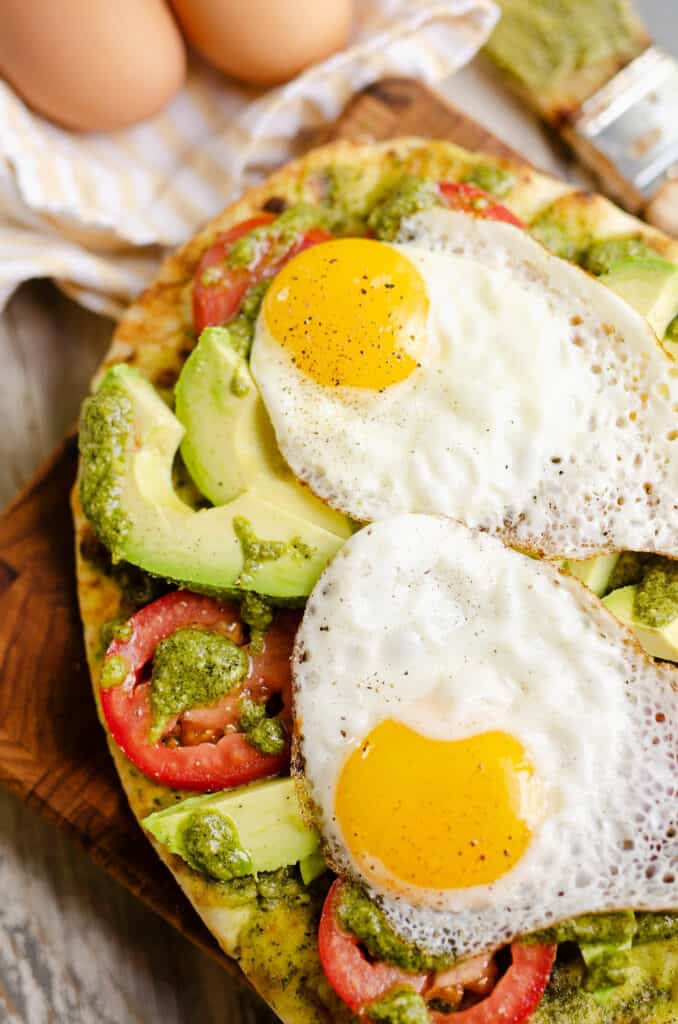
53 754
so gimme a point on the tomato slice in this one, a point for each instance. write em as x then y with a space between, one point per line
477 202
202 766
217 303
359 982
352 976
517 993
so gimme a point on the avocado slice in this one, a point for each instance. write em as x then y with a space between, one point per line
650 286
240 831
659 641
229 444
595 573
128 441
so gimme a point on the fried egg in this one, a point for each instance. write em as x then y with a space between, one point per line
484 747
466 371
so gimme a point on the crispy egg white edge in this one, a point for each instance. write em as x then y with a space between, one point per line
441 931
503 246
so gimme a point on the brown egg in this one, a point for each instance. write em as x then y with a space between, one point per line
92 64
265 41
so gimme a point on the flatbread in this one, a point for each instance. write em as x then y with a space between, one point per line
275 942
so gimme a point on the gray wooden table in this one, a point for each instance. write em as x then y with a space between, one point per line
75 948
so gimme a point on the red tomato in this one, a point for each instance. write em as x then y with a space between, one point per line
202 766
352 976
477 202
217 303
516 995
359 982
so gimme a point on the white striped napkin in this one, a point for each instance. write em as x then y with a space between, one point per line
96 212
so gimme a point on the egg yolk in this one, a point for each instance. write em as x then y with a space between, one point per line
351 312
437 814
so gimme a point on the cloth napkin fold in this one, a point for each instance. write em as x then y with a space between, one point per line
97 212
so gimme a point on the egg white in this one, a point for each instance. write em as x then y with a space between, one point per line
544 408
424 621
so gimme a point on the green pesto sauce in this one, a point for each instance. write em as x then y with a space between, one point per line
241 329
601 256
275 239
210 844
192 668
114 671
410 195
257 613
256 551
267 735
399 1006
266 889
647 994
651 927
629 569
642 926
607 942
495 180
105 423
542 44
119 628
240 384
587 928
358 914
347 201
656 598
559 238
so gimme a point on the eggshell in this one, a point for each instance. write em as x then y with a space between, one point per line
264 42
93 66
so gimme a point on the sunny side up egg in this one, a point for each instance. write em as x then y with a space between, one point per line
466 371
483 745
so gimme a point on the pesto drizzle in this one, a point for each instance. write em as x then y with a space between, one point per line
210 844
192 668
256 551
105 424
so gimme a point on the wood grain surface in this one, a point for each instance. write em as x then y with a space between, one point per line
52 750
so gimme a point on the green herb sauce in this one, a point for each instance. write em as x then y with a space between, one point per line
558 238
274 239
495 180
105 424
240 384
542 44
408 197
656 598
192 668
114 671
399 1006
257 613
119 628
358 914
601 256
256 551
210 844
629 569
267 735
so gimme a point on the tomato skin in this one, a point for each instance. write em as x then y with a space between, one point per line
516 995
358 982
477 202
205 767
217 304
355 980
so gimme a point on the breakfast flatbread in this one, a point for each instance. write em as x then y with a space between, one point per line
168 546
